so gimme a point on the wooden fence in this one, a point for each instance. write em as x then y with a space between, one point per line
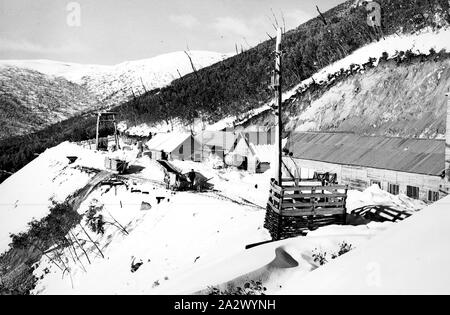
297 206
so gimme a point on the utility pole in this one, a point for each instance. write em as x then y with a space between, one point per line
277 85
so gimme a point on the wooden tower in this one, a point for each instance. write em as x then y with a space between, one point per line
296 205
104 118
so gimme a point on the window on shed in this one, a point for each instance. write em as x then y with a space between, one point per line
433 195
412 192
181 149
393 189
213 149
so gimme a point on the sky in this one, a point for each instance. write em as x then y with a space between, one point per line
114 31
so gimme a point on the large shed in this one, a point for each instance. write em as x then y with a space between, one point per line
411 166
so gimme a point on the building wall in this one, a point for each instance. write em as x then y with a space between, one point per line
243 150
205 151
358 177
184 151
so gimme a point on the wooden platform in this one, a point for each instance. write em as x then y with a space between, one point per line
299 206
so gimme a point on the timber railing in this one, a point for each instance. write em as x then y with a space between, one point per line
297 206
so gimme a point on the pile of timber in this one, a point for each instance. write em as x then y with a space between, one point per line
299 206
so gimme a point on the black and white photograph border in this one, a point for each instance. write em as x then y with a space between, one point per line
204 149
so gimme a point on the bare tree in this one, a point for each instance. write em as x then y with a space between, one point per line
321 16
192 63
142 82
283 20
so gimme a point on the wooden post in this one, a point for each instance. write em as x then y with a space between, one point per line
313 200
116 136
447 141
278 132
345 206
280 215
97 131
278 78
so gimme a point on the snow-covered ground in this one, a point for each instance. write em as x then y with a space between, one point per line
182 240
409 258
28 194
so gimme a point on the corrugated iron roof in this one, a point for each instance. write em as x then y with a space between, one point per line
264 152
167 141
420 156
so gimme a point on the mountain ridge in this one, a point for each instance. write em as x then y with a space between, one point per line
28 106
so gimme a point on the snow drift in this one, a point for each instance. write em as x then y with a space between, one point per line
411 257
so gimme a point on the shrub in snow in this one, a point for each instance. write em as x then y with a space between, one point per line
321 257
50 232
136 266
344 247
95 220
250 288
51 229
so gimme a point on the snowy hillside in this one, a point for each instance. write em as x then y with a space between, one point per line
187 235
36 93
70 71
30 100
156 72
120 80
404 89
409 258
29 193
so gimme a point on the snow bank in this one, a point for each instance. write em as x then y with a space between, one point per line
272 263
184 230
376 196
411 257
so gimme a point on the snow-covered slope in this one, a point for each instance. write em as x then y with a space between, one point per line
116 83
36 93
181 240
71 71
155 72
396 100
28 194
185 234
146 74
30 100
409 258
